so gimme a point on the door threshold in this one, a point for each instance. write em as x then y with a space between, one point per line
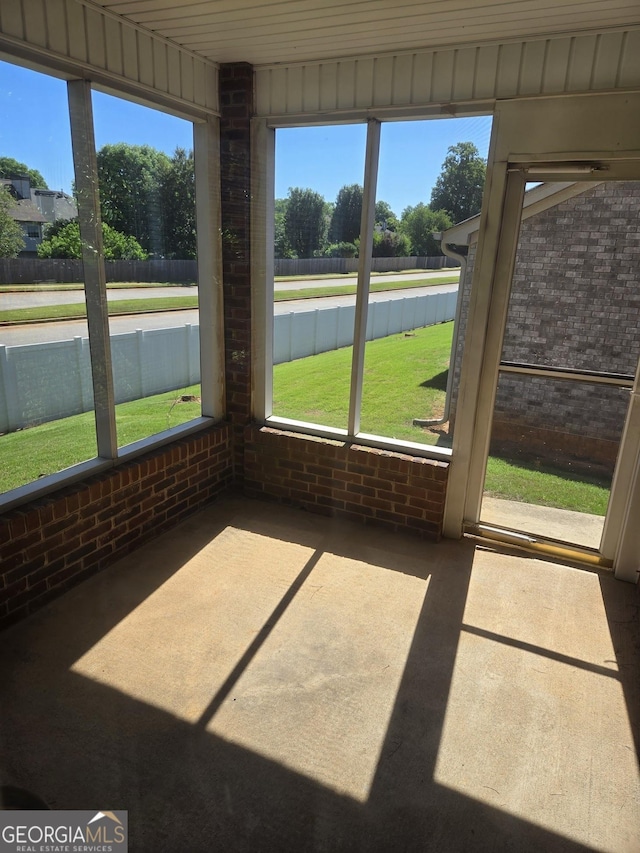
555 548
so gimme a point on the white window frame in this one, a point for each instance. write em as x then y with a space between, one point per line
210 299
263 214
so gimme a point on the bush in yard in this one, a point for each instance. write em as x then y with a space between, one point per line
389 244
63 241
341 250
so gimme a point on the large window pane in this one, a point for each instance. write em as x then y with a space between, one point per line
46 394
319 177
430 176
147 195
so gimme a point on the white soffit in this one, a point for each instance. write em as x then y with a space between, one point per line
266 31
445 79
77 39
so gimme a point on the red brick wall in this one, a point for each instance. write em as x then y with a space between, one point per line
236 109
362 484
52 544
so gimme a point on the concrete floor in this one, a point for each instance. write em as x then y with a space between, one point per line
261 679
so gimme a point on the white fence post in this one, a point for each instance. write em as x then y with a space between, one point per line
82 365
9 387
140 359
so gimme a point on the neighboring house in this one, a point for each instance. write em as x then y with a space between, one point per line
34 209
575 303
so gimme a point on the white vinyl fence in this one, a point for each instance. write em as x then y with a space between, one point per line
44 382
304 333
48 381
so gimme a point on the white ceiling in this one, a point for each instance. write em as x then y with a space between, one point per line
285 31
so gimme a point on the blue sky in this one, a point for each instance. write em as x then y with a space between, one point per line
34 124
34 129
411 157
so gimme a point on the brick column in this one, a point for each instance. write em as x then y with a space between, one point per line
236 104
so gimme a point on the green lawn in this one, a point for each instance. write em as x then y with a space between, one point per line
31 453
405 377
505 479
402 380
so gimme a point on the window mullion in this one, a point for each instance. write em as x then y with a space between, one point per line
95 284
262 265
207 178
364 273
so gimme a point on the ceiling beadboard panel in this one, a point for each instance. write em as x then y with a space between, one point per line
80 39
560 65
284 31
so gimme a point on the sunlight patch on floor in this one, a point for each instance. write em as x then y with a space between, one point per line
319 696
525 730
291 652
177 648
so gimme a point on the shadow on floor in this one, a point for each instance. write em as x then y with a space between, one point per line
83 744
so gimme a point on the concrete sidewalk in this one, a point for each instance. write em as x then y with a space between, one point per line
579 528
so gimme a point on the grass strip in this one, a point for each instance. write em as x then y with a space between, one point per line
162 303
119 306
517 482
111 285
349 289
311 276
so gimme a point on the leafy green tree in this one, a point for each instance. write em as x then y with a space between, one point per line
458 189
131 179
281 247
10 168
178 196
345 221
304 221
385 217
418 223
63 241
11 236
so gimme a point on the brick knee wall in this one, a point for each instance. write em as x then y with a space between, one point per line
54 543
362 484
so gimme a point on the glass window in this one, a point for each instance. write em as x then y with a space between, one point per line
147 198
46 397
430 177
146 180
317 234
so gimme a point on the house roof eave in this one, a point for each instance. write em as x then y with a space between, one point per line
537 199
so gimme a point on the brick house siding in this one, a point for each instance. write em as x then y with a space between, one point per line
575 303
